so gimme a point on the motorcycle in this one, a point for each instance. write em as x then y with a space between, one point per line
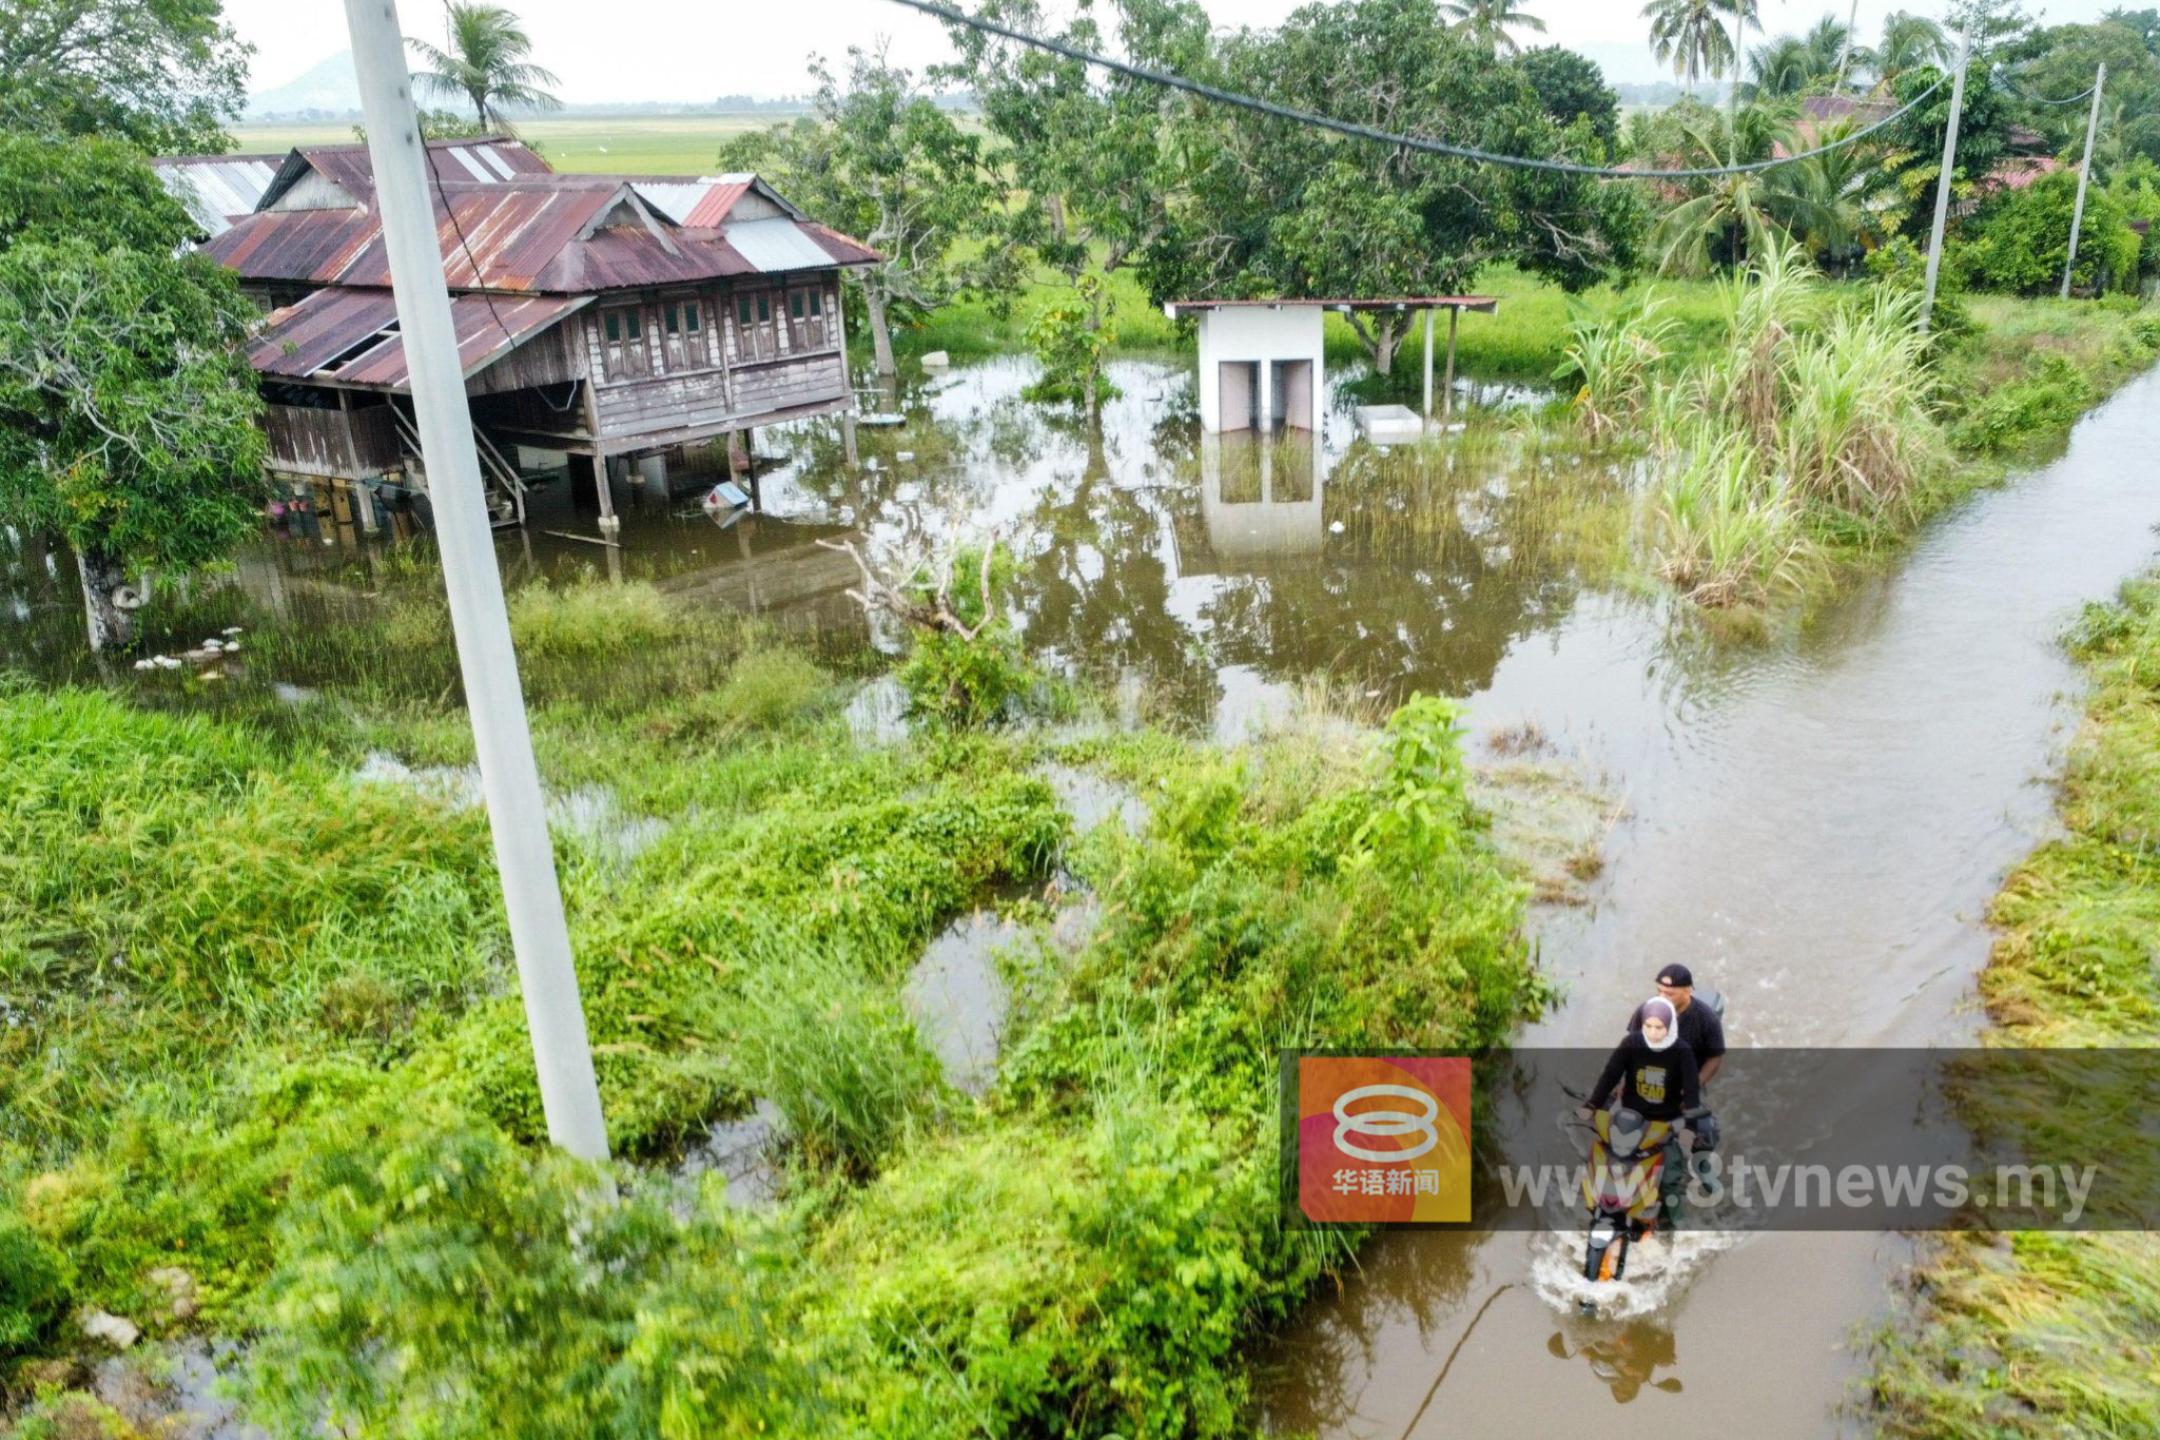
1623 1180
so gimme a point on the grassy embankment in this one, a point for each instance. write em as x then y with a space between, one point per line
2028 1333
277 1043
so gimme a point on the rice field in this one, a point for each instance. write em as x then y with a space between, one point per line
633 145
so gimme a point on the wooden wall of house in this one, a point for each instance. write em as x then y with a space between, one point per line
661 375
352 444
551 358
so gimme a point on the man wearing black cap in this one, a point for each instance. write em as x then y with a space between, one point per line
1700 1029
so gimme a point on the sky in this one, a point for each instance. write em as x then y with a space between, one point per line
694 50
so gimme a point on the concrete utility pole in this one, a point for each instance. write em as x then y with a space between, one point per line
1942 181
509 777
2077 216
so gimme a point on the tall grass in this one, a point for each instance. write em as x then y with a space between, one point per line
1727 532
1811 418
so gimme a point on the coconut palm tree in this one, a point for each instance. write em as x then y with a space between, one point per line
1736 216
1785 66
487 62
1691 34
1910 42
1486 22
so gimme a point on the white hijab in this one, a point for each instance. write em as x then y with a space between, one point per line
1659 1007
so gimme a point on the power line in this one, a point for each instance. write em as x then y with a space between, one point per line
2009 89
1367 132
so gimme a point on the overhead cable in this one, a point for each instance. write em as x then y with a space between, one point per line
1356 131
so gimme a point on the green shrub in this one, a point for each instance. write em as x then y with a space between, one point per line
1071 341
436 1279
966 683
2023 239
35 1282
2048 401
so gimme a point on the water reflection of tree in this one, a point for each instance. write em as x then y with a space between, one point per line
1434 572
1094 585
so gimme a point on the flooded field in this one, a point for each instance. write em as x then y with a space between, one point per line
1813 821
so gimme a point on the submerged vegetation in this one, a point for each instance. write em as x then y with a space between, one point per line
2026 1333
278 1045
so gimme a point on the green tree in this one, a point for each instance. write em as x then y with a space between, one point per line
127 406
1571 87
1732 218
488 61
1912 42
2061 61
1485 23
881 160
1279 208
1913 147
1784 67
1096 161
166 75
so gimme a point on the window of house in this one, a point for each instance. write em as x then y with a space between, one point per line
624 331
817 303
757 337
683 317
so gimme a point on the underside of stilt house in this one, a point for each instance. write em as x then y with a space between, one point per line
608 319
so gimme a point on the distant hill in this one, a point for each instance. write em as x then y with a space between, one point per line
329 91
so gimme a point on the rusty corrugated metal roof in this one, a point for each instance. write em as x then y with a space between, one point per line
350 335
541 234
492 160
711 212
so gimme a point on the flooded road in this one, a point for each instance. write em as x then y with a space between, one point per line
1814 822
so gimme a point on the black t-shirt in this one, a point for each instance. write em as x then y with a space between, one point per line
1655 1084
1700 1030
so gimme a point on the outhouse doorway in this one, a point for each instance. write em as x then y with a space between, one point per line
1240 380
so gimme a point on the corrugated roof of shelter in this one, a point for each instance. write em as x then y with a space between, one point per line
539 234
349 335
216 189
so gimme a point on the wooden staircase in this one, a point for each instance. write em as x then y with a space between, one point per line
505 488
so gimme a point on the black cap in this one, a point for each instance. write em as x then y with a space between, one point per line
1676 975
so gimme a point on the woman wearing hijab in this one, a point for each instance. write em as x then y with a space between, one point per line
1657 1079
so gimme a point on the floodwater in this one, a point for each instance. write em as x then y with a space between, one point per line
1814 822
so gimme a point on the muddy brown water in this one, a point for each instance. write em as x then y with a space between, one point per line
1815 822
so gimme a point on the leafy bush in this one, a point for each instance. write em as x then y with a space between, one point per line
2023 239
967 683
435 1279
1901 266
1070 341
34 1289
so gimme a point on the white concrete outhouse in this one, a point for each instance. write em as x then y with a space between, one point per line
1262 365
